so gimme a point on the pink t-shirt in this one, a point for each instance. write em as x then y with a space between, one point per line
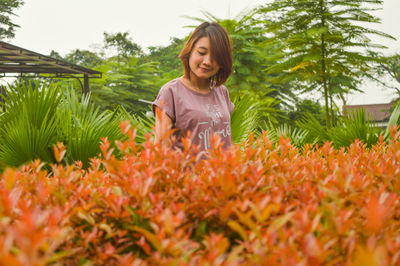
201 114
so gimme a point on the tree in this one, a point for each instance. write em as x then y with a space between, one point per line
125 82
324 45
56 55
390 65
170 66
7 28
122 43
304 107
84 58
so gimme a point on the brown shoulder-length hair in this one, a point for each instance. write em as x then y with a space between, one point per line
220 49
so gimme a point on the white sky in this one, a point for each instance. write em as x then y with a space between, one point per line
65 25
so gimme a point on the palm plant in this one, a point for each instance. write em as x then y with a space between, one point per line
144 124
352 127
245 118
355 126
298 137
314 127
81 125
28 125
37 116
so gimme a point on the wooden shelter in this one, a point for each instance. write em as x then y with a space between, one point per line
19 61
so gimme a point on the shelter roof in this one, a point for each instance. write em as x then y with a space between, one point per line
17 60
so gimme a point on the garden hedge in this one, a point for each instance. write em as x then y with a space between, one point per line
254 204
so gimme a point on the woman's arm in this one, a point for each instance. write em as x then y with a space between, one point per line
163 127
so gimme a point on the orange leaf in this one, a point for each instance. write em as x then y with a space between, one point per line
59 151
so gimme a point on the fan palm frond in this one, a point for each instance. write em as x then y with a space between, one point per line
244 118
28 125
298 137
82 126
352 127
144 124
316 131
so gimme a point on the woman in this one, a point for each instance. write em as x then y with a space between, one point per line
197 104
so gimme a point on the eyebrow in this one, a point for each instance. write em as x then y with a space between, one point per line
202 47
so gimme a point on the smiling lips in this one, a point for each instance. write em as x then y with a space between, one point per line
205 69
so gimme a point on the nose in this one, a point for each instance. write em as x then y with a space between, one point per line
207 60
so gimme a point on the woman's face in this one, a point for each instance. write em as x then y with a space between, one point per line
201 64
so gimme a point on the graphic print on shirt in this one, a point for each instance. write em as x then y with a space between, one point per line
215 119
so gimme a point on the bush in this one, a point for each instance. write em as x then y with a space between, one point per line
253 204
37 116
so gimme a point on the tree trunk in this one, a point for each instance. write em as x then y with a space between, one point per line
333 120
323 68
344 102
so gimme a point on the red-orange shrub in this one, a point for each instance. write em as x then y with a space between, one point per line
254 204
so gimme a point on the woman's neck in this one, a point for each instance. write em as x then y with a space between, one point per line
199 85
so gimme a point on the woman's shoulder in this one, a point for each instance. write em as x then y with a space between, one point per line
172 85
222 89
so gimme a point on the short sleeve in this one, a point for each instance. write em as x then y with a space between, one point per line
231 106
165 101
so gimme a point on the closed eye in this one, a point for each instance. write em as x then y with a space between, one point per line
201 53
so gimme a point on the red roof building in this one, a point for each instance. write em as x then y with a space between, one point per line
378 113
